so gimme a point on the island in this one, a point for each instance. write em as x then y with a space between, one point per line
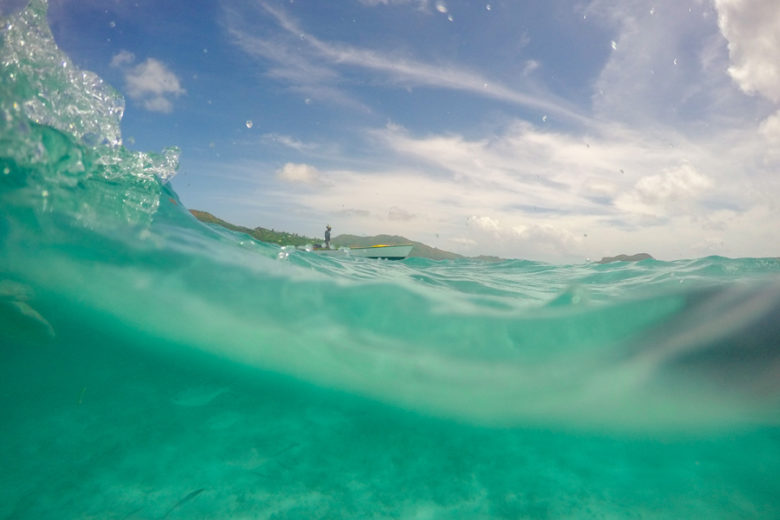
625 258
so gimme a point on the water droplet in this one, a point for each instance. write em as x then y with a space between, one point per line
249 123
112 24
450 18
652 11
544 118
488 7
6 170
441 7
613 43
44 193
307 101
675 61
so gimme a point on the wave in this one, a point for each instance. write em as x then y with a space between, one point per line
510 342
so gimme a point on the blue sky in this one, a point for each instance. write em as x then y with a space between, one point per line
556 131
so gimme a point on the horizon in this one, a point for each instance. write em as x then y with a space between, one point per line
608 257
552 132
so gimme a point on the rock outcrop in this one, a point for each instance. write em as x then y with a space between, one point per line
625 258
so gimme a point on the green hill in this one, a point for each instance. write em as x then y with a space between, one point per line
262 234
291 239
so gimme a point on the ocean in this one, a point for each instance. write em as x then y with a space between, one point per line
153 367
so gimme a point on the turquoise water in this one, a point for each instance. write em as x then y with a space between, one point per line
153 367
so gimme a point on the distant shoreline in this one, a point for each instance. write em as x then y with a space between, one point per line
283 238
420 250
626 258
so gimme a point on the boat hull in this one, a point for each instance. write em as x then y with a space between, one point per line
385 252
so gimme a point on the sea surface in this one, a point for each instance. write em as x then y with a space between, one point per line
152 367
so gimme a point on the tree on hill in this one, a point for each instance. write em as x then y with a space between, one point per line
281 238
291 239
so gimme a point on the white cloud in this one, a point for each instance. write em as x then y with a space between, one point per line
156 104
667 67
152 79
299 173
150 82
670 192
752 29
122 58
543 241
769 130
484 223
531 193
542 171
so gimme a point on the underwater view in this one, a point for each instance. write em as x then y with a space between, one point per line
156 367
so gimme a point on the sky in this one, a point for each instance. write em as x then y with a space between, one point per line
558 131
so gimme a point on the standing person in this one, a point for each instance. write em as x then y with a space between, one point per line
327 236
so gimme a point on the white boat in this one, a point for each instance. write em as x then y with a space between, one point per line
384 251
